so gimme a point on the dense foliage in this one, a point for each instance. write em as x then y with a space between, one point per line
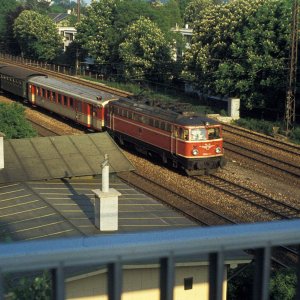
13 123
38 288
37 36
282 284
107 23
241 49
145 51
7 8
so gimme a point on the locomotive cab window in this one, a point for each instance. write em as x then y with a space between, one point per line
213 133
184 134
198 134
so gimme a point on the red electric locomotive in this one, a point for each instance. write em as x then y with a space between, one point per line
193 143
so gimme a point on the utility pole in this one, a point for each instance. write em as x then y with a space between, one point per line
290 104
77 50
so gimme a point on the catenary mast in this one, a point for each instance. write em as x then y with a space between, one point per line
290 104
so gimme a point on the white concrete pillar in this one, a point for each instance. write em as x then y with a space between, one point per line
106 202
2 150
234 108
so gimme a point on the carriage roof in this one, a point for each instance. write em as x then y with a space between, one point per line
87 94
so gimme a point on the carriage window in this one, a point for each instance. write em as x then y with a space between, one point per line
44 93
124 113
59 98
71 101
130 115
162 125
151 122
198 134
79 106
156 123
213 133
168 127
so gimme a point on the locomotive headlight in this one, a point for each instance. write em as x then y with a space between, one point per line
218 150
195 151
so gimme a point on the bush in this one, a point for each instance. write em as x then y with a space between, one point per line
295 135
38 288
261 126
13 122
282 285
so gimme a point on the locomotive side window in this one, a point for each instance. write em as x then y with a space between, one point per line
168 127
213 133
175 132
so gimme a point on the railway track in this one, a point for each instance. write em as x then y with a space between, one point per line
273 206
286 167
262 139
194 210
73 79
42 130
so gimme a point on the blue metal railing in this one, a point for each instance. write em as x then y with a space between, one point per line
164 246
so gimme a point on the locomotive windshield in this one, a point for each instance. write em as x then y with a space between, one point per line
202 134
198 134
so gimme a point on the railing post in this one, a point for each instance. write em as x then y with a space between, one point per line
58 283
114 281
262 273
216 275
167 278
298 278
1 286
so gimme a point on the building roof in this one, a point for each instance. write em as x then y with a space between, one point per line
58 17
38 199
59 157
65 207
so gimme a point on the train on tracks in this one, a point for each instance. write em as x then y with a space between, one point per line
184 140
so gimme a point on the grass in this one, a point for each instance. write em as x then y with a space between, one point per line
269 128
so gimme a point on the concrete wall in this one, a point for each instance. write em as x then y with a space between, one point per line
142 282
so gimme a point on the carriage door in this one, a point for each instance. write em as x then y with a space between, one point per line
174 140
95 112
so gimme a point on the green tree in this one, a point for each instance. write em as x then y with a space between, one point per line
145 52
13 122
7 7
283 284
93 31
37 36
41 6
38 288
195 9
259 52
103 29
240 49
